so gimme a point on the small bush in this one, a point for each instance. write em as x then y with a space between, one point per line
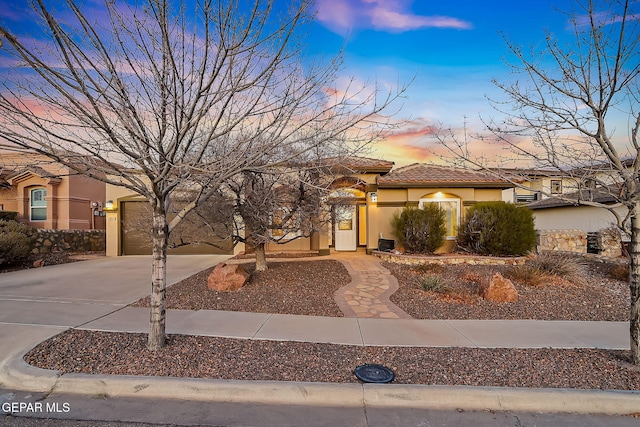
526 274
432 283
497 228
420 230
8 215
547 264
619 272
568 267
16 242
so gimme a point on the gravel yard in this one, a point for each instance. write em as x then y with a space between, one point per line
224 358
307 287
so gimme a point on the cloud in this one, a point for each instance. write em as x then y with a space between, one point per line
342 16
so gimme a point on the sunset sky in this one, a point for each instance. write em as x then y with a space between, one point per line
449 51
453 49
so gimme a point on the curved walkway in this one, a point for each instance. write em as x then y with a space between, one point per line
367 296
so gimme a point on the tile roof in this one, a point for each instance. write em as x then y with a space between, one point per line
427 175
604 195
358 164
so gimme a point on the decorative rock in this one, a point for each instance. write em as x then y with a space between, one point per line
227 277
498 289
38 263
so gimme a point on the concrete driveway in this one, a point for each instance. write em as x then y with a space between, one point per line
38 303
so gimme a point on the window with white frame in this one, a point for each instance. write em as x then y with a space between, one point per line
38 204
451 207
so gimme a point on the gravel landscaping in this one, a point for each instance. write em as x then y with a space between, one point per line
224 358
596 297
307 287
295 287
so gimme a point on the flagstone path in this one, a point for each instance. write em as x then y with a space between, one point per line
367 295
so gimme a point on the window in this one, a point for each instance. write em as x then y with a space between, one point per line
38 204
451 208
556 186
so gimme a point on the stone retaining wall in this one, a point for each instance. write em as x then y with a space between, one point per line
448 259
70 240
562 241
609 243
575 241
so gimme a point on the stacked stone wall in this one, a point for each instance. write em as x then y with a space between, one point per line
70 240
608 242
574 241
448 259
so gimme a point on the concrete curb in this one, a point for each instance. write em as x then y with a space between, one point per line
17 374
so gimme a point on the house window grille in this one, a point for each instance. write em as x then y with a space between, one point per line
38 204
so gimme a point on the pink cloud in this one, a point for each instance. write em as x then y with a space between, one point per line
342 16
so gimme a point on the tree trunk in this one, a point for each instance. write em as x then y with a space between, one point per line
634 284
261 257
157 336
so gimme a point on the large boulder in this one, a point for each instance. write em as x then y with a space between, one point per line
498 289
227 277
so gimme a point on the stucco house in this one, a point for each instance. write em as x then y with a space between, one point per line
566 214
49 195
362 200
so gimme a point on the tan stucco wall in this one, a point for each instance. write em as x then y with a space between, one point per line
391 201
585 218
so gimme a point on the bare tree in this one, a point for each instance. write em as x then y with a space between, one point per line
176 96
560 118
281 205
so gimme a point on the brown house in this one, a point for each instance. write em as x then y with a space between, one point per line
49 195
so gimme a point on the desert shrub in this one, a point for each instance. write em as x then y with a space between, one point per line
526 274
420 230
432 283
497 228
535 270
566 266
8 215
17 240
619 272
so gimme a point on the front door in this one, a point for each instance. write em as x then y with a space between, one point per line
345 228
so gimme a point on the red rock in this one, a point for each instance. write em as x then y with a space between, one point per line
498 289
38 263
227 277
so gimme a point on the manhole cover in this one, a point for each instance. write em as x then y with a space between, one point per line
372 373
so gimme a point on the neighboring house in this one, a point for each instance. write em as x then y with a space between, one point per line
538 184
567 214
48 195
362 200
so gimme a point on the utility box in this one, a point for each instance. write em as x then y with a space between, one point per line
386 245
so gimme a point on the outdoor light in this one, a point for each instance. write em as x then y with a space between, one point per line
373 197
109 206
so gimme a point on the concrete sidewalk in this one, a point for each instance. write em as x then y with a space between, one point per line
375 332
37 304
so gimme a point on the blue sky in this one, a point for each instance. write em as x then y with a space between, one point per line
453 49
450 49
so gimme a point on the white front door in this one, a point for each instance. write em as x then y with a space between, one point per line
345 228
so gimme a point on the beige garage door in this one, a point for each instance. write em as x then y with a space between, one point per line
195 235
